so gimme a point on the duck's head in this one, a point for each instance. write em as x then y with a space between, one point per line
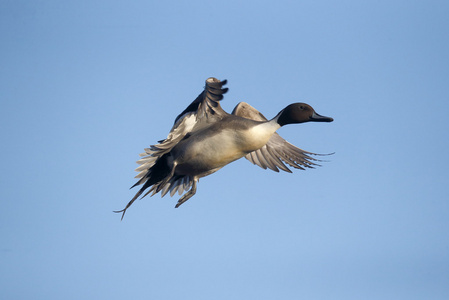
300 113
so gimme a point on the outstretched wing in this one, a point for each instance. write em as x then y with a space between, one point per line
277 153
203 110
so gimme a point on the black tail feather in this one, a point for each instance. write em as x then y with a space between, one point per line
159 171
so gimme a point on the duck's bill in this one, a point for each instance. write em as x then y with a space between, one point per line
319 118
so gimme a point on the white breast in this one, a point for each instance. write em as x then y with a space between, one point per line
258 136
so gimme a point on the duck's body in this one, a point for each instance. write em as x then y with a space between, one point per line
205 138
221 143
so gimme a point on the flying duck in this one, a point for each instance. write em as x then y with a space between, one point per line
205 138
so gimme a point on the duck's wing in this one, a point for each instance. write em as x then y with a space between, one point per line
205 109
206 106
277 153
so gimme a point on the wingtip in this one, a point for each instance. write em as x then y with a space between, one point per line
212 81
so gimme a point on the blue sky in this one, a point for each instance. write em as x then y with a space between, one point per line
86 85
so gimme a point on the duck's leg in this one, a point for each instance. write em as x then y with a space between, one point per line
189 194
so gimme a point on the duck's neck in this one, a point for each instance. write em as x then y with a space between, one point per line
280 119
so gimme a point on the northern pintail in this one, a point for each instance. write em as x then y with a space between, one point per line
205 138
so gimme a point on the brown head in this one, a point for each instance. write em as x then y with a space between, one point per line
300 113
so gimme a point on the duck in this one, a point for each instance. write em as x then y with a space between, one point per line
205 138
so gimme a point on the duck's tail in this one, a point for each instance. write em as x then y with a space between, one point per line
157 176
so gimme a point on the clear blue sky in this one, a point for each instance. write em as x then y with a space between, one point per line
86 85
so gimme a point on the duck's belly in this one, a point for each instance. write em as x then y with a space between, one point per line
199 155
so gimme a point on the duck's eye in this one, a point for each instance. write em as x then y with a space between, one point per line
301 107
